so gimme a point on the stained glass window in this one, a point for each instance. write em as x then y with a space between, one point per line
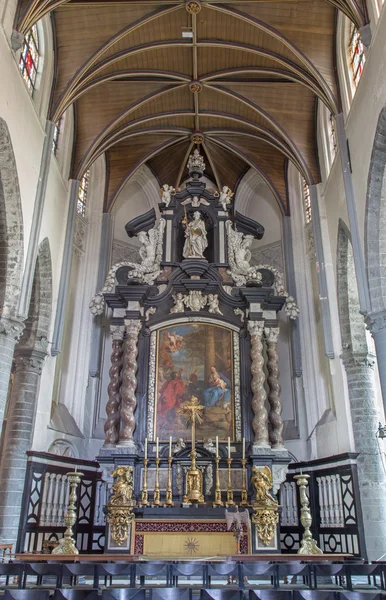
29 58
307 202
357 57
82 194
333 145
56 136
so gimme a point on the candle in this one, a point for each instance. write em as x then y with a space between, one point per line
301 471
243 448
216 446
170 447
156 447
75 469
229 447
145 447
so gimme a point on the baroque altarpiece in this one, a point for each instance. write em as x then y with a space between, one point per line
194 378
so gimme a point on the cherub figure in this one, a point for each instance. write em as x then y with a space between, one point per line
213 304
123 486
179 445
167 191
178 303
225 196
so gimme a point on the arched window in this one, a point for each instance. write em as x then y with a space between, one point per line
356 54
307 202
82 194
56 136
332 137
29 59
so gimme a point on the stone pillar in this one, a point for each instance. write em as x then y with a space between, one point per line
376 322
10 331
259 422
129 383
371 475
114 401
17 438
276 424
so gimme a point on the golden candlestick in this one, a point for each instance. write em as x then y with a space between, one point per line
217 493
308 545
244 495
157 494
192 411
145 493
169 491
67 544
229 501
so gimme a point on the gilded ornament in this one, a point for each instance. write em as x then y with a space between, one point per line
195 87
265 508
121 503
193 7
192 411
197 138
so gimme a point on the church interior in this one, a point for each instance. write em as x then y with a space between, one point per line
193 299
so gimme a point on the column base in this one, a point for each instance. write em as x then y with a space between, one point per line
260 448
129 445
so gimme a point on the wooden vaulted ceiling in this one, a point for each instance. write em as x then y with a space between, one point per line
245 85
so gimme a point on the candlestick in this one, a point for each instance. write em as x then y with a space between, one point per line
144 493
169 491
244 495
217 493
67 543
157 448
157 494
229 447
170 446
216 446
229 501
308 545
243 448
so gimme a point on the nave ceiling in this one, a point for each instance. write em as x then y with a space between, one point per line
246 83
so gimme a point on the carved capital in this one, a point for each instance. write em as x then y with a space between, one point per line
256 328
117 332
29 360
12 328
358 359
271 334
133 327
376 321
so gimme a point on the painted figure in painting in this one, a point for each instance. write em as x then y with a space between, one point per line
195 359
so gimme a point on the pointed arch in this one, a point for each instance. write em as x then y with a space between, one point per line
11 227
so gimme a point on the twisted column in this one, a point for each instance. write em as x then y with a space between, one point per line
129 383
259 422
113 390
276 424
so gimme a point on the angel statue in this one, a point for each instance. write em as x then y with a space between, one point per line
237 519
145 272
167 191
242 272
123 486
225 196
179 305
262 481
195 237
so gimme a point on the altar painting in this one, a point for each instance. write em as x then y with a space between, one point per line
194 359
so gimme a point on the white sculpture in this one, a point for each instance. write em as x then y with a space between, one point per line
213 304
195 202
196 241
209 446
178 303
167 191
146 272
239 256
195 300
179 445
225 196
196 162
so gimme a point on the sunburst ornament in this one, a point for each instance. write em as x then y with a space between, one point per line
191 545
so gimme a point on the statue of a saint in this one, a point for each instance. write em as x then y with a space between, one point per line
196 241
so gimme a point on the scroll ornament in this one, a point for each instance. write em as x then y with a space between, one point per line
147 272
242 272
121 504
265 509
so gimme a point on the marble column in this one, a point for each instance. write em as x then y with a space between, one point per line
114 401
371 474
10 331
259 422
129 384
18 437
376 323
276 424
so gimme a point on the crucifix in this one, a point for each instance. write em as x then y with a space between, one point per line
192 411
